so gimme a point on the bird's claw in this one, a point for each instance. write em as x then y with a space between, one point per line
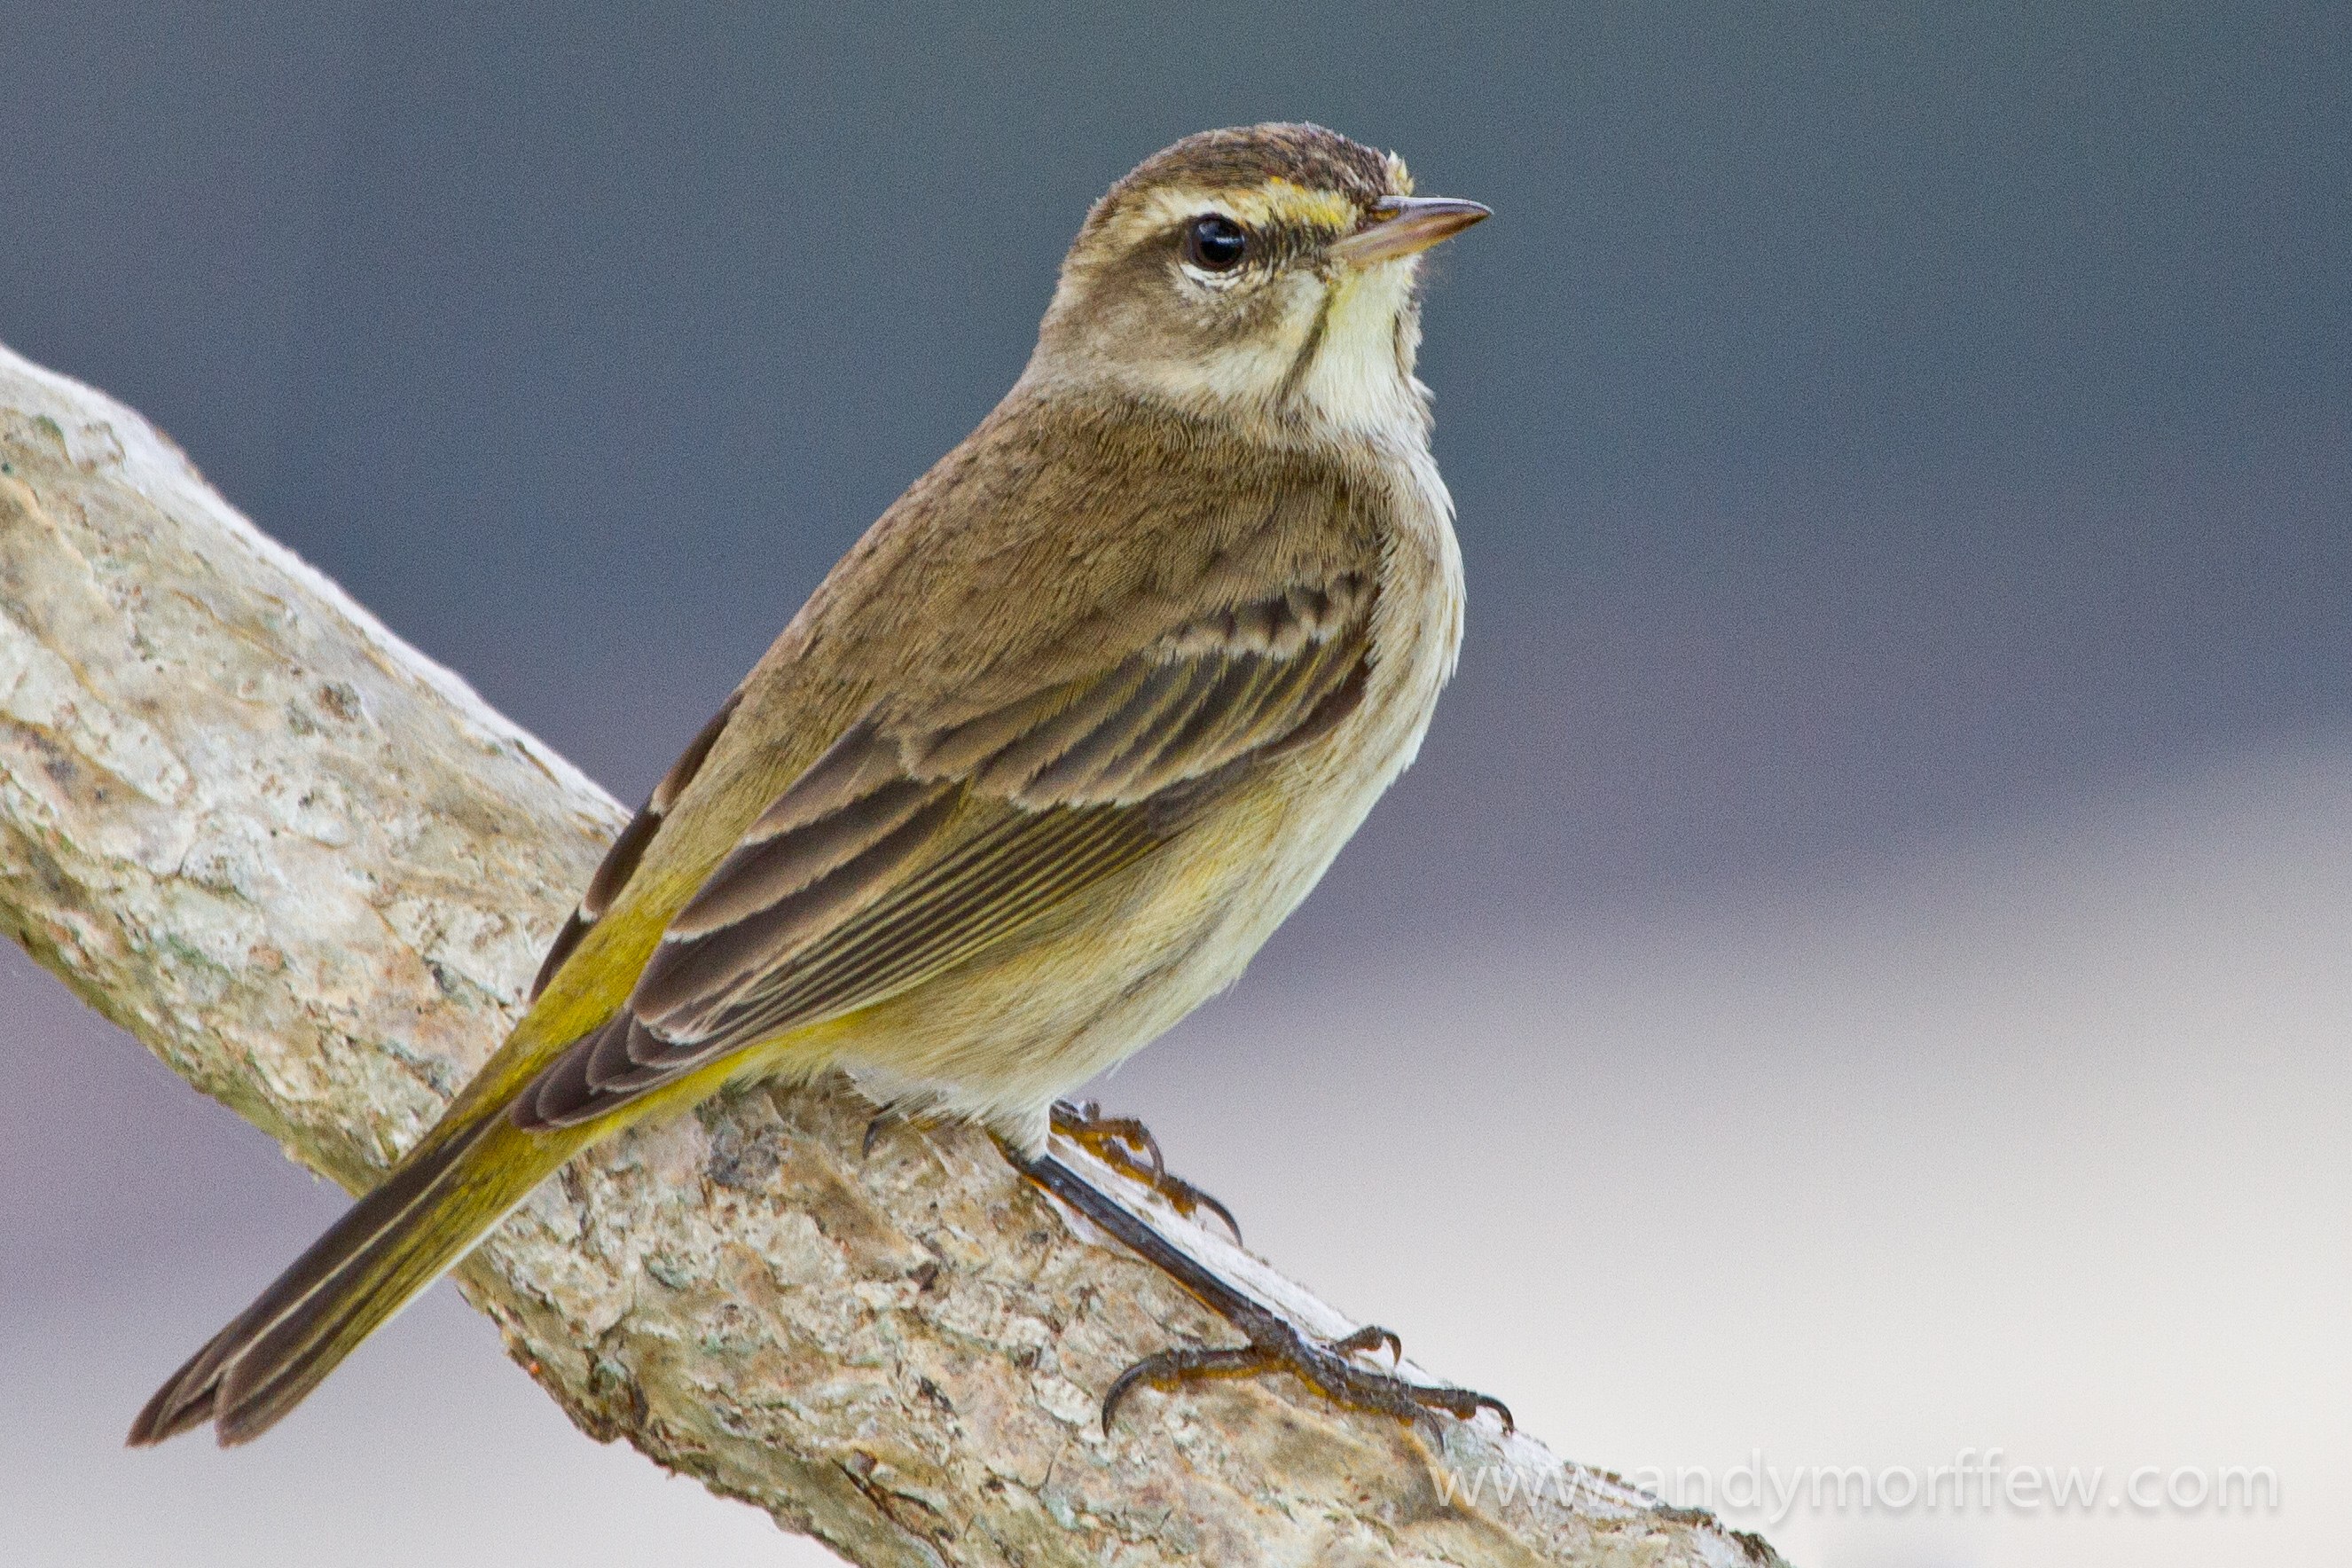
1326 1367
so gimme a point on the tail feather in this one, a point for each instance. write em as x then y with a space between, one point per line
395 1241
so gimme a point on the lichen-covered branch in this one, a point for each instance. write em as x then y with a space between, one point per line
313 872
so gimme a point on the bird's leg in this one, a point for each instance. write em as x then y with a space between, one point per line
1275 1343
1127 1146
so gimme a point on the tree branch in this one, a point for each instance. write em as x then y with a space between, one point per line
313 872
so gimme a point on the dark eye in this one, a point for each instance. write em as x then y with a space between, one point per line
1215 243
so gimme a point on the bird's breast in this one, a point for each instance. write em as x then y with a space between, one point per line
1416 638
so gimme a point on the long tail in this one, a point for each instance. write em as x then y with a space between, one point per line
419 1221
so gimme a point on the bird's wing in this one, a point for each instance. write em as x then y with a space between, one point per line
917 840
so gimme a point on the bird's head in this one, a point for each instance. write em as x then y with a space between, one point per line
1268 274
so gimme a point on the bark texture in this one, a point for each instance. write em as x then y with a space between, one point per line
313 872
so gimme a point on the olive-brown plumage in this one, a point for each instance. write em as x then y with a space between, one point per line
1039 766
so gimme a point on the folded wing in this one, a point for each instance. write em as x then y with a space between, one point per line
909 846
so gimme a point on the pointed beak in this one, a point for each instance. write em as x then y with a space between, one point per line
1405 226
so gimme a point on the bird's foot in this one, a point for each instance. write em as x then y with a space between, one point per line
1275 1343
1127 1146
1327 1366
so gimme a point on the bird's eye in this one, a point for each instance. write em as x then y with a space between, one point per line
1215 243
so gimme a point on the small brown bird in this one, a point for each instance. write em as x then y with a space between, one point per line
1035 769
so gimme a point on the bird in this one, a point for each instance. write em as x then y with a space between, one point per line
1035 769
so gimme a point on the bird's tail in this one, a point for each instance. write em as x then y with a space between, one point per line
419 1221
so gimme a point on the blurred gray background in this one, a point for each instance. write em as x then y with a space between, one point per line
1862 968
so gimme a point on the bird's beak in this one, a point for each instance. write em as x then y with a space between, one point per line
1404 225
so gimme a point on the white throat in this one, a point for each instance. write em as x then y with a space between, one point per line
1359 381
